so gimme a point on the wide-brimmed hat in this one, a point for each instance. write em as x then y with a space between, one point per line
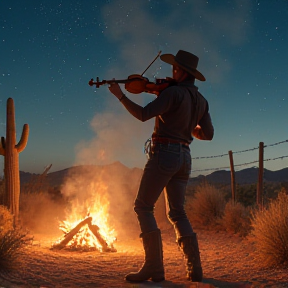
186 61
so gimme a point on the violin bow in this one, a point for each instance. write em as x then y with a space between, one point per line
159 53
98 83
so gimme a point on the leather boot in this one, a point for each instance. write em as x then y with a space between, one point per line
153 265
190 249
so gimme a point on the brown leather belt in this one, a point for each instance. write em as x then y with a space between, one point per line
162 140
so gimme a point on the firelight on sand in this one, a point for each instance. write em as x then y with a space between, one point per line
91 232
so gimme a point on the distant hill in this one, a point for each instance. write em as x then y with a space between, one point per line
58 178
245 176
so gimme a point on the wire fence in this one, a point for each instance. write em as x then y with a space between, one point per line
238 152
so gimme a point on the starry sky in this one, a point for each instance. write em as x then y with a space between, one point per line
51 48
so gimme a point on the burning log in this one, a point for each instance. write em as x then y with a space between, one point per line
93 228
72 233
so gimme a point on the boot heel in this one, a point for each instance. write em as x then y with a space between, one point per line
158 279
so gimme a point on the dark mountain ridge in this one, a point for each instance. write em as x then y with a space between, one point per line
58 178
245 176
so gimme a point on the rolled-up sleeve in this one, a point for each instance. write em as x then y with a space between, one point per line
206 126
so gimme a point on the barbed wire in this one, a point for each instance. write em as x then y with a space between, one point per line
237 152
238 165
274 144
243 164
276 158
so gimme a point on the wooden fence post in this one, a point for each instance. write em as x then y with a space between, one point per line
233 183
260 176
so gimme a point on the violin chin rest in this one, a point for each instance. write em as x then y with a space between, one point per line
157 87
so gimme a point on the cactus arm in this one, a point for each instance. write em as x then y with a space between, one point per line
2 146
24 139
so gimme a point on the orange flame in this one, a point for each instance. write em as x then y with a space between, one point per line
96 207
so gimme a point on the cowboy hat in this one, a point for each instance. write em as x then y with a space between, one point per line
185 60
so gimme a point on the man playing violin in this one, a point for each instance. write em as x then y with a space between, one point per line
181 113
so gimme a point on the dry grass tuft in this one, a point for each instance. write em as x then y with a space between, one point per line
270 229
207 206
11 244
237 218
12 241
6 220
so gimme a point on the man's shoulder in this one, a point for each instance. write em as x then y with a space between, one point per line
182 89
170 91
175 89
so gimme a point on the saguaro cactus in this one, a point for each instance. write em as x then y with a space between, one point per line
10 150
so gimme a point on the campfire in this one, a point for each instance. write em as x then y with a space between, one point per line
91 233
84 236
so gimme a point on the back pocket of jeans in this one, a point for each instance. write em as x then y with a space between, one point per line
168 161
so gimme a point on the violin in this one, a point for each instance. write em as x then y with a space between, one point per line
137 84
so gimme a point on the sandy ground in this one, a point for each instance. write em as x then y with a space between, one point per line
228 261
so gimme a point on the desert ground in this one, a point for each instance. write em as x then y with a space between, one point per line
228 261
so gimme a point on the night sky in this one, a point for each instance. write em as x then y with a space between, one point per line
50 50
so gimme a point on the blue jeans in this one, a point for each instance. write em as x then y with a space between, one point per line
169 167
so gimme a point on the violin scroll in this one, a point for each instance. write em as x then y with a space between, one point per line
91 82
97 83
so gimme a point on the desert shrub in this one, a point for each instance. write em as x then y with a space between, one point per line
270 229
284 187
11 241
207 206
237 218
246 194
6 220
